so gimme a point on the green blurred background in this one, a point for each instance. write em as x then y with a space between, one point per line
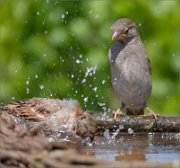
58 49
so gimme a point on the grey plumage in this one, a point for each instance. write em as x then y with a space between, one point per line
130 67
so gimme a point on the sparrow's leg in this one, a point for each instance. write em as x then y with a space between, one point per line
152 113
119 112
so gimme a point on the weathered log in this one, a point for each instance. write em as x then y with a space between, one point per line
46 115
91 124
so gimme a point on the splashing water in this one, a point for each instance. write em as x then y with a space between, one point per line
103 82
62 16
130 131
36 76
27 82
78 61
86 99
41 87
95 89
27 90
106 134
90 71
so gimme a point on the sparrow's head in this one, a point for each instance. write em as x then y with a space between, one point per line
123 30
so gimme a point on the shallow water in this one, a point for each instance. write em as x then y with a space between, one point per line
156 147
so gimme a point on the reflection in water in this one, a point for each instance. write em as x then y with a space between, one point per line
161 147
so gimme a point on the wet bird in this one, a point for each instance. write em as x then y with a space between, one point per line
130 68
52 113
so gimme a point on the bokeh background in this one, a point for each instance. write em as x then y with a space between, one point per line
58 49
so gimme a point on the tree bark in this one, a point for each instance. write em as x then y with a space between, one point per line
91 124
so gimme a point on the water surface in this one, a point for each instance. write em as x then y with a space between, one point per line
155 147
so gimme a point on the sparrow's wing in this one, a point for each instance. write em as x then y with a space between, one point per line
38 109
28 109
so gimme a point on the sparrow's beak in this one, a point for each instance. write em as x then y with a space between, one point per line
117 36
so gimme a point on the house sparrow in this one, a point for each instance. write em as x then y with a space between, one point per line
57 114
130 67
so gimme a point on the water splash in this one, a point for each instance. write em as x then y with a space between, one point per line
103 82
90 71
106 134
78 61
36 76
130 131
41 87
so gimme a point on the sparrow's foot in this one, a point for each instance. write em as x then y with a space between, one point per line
152 113
117 114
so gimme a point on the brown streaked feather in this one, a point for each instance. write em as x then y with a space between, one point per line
131 24
36 109
26 109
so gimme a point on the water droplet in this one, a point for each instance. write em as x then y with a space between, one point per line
80 56
130 131
83 81
27 90
78 61
125 119
90 71
95 89
45 32
41 87
140 24
51 139
101 104
103 82
27 82
86 99
87 141
115 134
38 13
62 16
121 127
106 134
36 76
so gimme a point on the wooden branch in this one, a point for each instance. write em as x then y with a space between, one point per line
91 124
41 114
